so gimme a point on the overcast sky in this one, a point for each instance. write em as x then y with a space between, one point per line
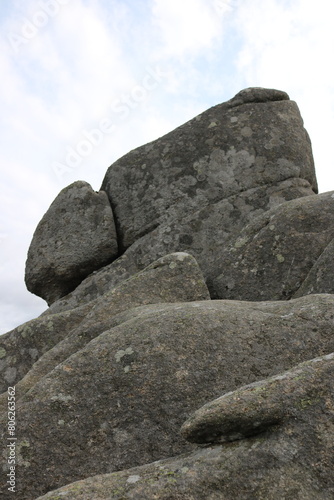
85 81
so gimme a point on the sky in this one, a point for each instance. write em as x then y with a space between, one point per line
85 81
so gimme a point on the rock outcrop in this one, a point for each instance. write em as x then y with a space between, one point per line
120 400
194 187
134 368
188 191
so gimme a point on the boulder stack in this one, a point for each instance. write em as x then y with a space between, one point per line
191 304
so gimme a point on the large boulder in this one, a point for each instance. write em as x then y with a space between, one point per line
272 256
255 139
257 407
120 400
75 237
281 430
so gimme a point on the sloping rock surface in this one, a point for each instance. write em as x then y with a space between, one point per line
75 237
273 255
256 139
21 347
120 400
173 278
291 458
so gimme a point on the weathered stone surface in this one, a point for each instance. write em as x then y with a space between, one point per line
255 139
54 337
75 237
192 189
320 279
258 406
23 346
273 255
203 234
120 401
173 278
292 458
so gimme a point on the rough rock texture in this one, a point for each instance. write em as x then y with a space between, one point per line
202 234
38 346
292 458
320 279
273 255
21 347
120 400
254 140
75 237
114 375
198 186
256 407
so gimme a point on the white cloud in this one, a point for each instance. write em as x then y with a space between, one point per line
188 26
289 46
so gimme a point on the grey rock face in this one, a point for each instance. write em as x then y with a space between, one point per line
75 237
120 400
192 189
53 338
256 407
204 234
321 276
23 346
272 256
256 139
291 458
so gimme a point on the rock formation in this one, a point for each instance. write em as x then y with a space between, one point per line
271 258
134 368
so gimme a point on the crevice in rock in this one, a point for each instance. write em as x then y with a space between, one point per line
117 229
